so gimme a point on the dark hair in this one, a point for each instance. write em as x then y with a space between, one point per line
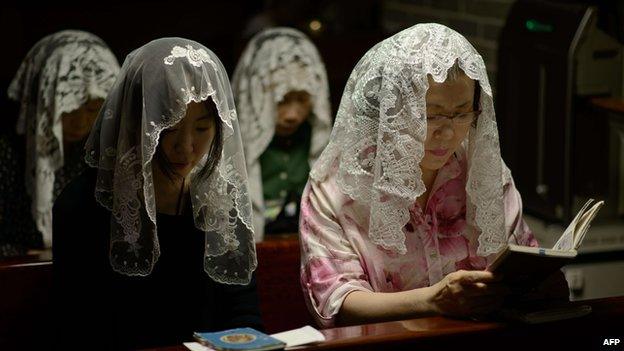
453 73
476 101
214 153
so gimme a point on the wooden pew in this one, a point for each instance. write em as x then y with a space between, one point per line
279 290
440 333
25 287
25 310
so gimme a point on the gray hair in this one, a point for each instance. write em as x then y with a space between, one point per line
454 72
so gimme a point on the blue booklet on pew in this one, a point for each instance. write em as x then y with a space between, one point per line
239 339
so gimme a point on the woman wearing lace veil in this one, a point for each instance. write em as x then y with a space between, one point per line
159 231
281 90
60 86
410 198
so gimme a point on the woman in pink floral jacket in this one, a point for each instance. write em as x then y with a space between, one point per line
411 197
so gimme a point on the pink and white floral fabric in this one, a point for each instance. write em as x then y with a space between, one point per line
338 257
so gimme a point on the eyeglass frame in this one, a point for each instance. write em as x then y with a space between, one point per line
454 118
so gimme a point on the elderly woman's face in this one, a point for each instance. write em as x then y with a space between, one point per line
77 124
292 111
187 142
444 136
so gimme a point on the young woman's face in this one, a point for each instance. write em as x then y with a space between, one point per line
187 142
77 124
445 136
292 111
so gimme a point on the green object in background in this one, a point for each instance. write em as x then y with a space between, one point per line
285 169
536 26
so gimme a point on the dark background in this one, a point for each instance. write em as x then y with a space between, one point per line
349 28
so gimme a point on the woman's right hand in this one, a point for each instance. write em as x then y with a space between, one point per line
467 293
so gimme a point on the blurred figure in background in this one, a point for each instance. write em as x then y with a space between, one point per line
60 87
281 91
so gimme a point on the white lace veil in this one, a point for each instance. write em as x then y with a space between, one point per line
156 83
59 74
378 139
276 61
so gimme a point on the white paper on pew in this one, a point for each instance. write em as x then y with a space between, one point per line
301 336
194 346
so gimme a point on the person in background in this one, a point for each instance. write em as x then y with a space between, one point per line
281 90
60 87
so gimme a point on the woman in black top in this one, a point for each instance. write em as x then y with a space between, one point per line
155 242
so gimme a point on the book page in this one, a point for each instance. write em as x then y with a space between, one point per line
567 239
585 223
194 346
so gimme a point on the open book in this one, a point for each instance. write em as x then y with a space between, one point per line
529 266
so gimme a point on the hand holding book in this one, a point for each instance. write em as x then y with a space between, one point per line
535 276
529 266
467 293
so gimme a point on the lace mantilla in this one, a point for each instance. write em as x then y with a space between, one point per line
157 82
59 74
377 142
275 62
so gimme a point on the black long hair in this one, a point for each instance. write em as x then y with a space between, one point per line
476 101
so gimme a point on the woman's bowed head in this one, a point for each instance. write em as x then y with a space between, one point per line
181 148
60 85
167 142
282 94
165 204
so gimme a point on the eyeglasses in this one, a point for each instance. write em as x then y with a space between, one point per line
460 119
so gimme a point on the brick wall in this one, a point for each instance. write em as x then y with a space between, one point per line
480 21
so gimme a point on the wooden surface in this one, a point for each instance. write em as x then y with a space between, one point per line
282 305
32 257
440 333
25 307
610 104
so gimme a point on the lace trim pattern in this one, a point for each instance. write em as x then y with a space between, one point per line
59 74
377 142
177 71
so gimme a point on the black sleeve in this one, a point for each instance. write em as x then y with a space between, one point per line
238 306
8 175
79 300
